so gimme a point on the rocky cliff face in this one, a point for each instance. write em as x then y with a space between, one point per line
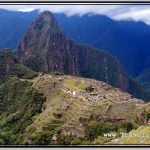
45 48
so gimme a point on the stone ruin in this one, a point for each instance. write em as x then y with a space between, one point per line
95 96
110 119
70 92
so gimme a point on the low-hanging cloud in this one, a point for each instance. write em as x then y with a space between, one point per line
116 12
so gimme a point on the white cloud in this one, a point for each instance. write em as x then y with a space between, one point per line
26 9
117 12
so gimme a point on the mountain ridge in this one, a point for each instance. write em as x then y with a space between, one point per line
125 52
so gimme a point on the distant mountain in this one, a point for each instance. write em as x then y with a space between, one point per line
45 48
13 25
127 40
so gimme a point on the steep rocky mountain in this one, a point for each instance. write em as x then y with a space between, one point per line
66 110
13 25
45 48
132 37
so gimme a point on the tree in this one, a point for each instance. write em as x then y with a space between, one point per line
127 126
95 129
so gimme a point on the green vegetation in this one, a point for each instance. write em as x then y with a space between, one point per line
97 129
9 66
148 116
42 138
19 103
139 136
23 72
100 140
56 73
34 112
126 126
69 140
75 84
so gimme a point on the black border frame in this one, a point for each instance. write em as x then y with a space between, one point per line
74 2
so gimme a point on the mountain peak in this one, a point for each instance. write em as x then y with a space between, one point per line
46 13
39 33
45 18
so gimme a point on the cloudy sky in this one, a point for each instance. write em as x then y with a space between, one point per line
117 12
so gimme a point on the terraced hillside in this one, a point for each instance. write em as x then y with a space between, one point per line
74 104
